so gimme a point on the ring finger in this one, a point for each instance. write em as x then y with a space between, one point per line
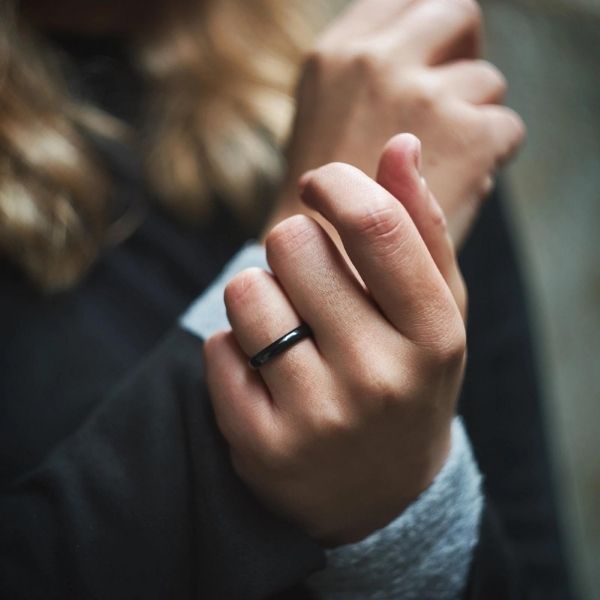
260 313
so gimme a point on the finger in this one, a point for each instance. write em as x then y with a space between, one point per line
475 81
506 131
384 245
399 173
260 313
327 295
239 396
436 31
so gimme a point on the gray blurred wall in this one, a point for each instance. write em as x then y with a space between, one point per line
550 52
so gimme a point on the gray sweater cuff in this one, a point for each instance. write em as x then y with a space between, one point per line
427 550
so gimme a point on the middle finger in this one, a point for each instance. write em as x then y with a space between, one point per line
327 295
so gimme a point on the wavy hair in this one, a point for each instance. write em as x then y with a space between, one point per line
220 75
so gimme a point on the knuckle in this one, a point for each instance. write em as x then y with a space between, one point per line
423 90
375 382
332 420
448 350
496 76
382 223
290 235
520 130
512 134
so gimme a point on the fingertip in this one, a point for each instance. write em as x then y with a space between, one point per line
400 166
404 147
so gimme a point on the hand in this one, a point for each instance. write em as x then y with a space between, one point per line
341 432
391 66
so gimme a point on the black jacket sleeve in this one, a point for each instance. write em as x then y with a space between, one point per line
141 502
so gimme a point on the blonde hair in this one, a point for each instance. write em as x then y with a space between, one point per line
221 76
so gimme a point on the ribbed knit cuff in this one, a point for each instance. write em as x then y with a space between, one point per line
424 553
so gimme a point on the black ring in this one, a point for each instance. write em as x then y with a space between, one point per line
281 345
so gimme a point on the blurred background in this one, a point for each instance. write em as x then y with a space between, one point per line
550 52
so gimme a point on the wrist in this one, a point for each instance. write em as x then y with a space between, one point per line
410 480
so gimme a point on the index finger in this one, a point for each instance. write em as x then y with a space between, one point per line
386 248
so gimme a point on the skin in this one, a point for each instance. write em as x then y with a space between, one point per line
343 431
391 66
